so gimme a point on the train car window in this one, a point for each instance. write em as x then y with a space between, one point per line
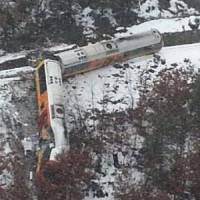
52 111
130 37
109 46
42 79
56 80
51 79
60 82
81 55
82 58
59 111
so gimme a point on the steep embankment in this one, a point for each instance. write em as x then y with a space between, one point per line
113 90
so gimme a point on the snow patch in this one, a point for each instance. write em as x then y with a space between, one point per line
163 25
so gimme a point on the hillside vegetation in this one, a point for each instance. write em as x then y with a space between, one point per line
26 24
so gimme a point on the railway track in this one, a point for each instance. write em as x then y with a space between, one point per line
170 39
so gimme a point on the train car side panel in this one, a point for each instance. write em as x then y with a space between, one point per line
109 52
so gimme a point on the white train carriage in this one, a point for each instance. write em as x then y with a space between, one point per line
92 56
52 132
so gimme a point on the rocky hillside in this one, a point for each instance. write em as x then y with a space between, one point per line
114 113
138 151
26 24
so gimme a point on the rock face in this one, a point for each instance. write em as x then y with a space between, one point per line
193 3
17 120
28 24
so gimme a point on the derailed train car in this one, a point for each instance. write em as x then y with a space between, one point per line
49 73
93 56
52 132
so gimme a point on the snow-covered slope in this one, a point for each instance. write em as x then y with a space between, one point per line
119 83
17 120
117 86
112 88
164 25
158 8
115 89
37 24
